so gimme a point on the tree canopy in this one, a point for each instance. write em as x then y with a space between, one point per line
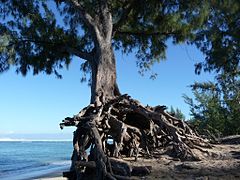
219 39
45 35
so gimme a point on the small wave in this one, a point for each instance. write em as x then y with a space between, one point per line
61 163
12 140
32 172
33 140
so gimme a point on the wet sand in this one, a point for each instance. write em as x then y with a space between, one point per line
52 176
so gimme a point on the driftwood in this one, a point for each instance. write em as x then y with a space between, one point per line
123 127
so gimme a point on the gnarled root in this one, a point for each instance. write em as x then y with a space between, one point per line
122 127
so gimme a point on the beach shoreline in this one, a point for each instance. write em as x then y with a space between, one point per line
27 160
225 166
52 176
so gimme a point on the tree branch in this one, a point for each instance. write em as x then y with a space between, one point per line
144 33
91 22
72 50
83 55
86 17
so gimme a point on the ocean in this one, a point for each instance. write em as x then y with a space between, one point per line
25 160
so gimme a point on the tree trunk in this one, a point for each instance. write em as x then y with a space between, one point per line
104 86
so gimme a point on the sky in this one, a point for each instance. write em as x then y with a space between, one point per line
37 104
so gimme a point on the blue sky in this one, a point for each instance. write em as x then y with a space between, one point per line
37 104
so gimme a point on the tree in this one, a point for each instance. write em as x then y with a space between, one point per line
216 105
177 113
33 38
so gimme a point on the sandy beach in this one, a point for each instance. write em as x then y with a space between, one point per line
52 176
224 164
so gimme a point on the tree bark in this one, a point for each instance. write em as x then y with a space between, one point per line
104 85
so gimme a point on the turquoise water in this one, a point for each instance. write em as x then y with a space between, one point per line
28 160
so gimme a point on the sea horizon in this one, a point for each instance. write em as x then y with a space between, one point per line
33 140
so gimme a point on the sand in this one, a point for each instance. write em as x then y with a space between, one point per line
52 176
223 164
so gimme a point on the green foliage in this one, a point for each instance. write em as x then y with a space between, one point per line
216 106
219 39
151 23
43 36
32 38
177 113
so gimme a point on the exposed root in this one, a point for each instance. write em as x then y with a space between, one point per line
123 127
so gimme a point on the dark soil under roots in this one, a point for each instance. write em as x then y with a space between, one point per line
123 127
